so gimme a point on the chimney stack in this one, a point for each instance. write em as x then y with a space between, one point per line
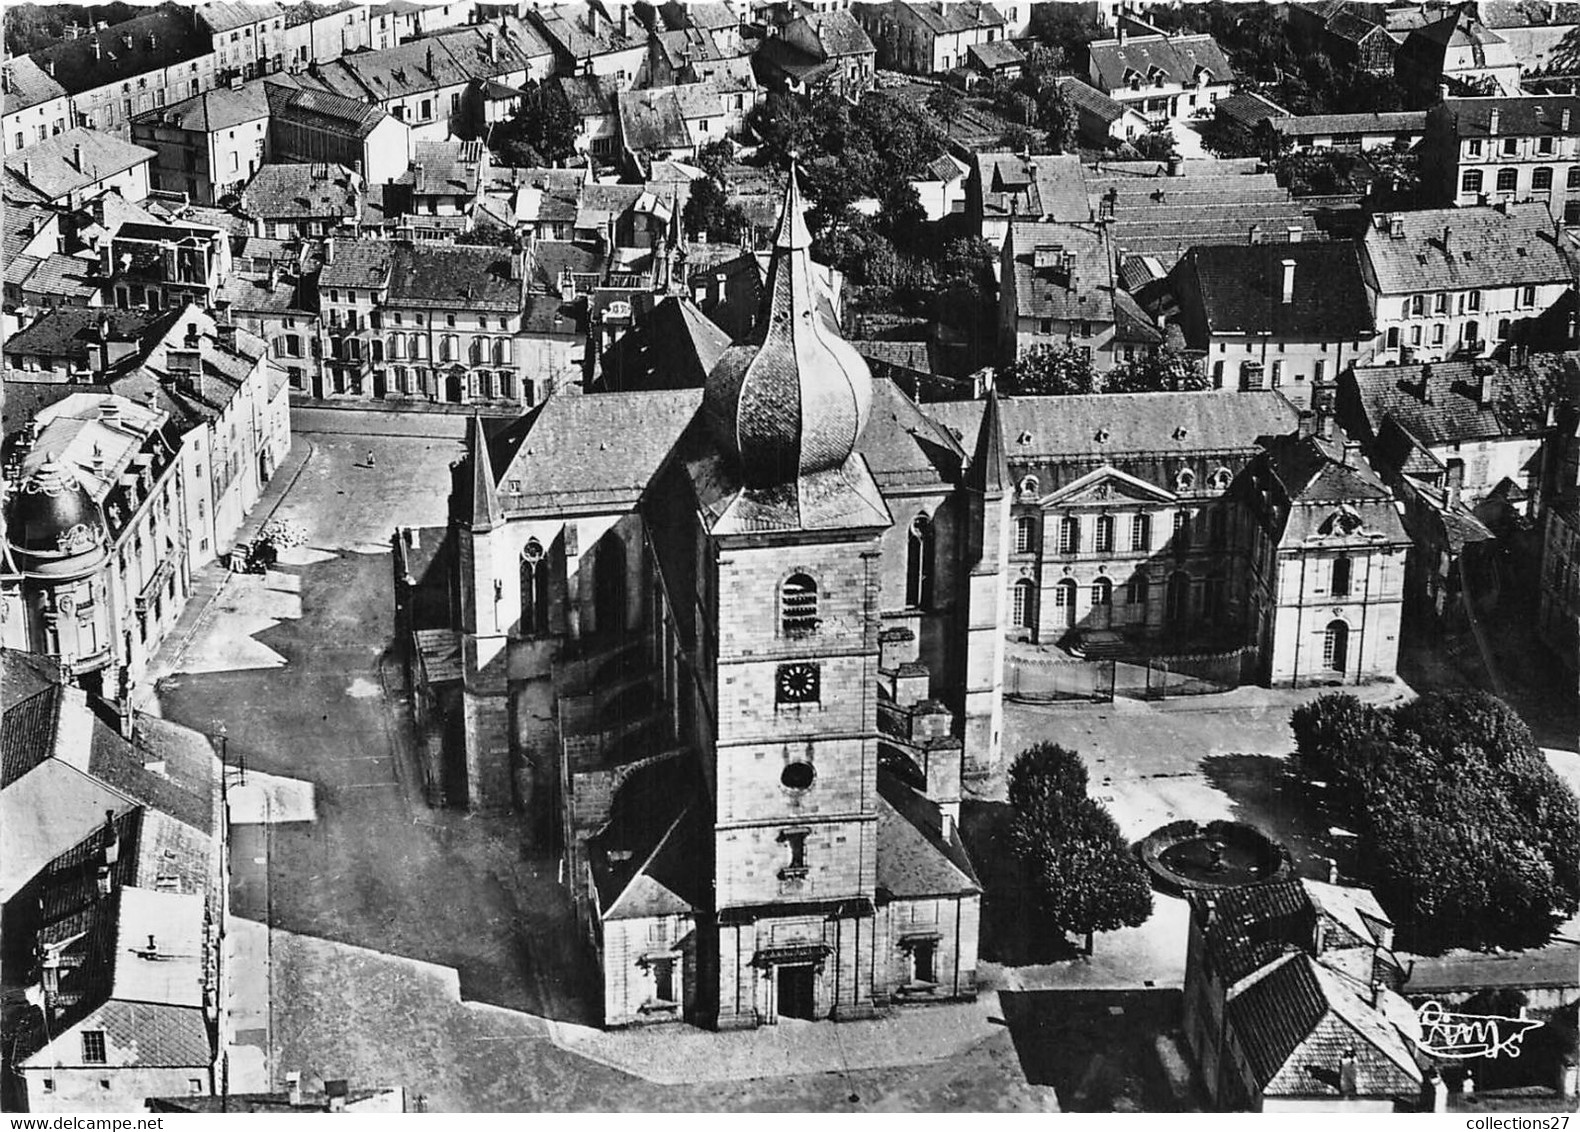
1289 280
1447 233
293 1089
98 51
493 48
76 158
1347 1073
625 19
1492 121
1254 236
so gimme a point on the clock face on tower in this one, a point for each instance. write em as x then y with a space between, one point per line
797 684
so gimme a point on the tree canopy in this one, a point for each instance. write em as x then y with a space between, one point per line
540 132
1083 872
1049 370
1467 835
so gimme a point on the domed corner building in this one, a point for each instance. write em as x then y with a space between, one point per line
93 567
732 647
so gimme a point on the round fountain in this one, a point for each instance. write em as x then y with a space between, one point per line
1183 856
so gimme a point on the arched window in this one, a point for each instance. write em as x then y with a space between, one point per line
1103 541
1064 604
1028 486
449 348
919 563
1341 576
1508 180
1541 179
419 348
798 605
397 347
1070 535
501 351
1220 479
1138 589
1336 647
1185 480
1503 328
476 353
1178 598
1102 592
1025 534
534 590
1141 532
1025 604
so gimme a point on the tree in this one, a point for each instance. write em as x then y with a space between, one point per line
1056 115
1050 371
710 212
1065 29
1166 369
715 158
1466 833
1084 874
967 262
946 102
541 132
1157 144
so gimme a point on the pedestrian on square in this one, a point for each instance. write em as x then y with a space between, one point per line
370 457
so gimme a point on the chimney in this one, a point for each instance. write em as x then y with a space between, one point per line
293 1089
5 81
1289 280
493 48
1254 236
274 276
1295 232
430 63
592 18
1347 1073
76 158
126 40
153 947
1486 381
1119 34
98 51
112 844
153 41
1492 121
49 65
1447 233
1176 165
27 170
329 250
625 19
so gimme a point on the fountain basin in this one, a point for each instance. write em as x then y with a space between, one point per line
1186 857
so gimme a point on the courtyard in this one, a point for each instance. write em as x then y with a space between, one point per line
432 949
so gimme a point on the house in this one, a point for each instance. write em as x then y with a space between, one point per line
1486 150
1558 602
591 102
248 35
34 106
820 49
1004 187
1464 426
163 264
719 18
1247 115
941 187
1349 131
675 56
1461 282
1288 1003
653 126
312 127
208 146
76 344
1100 120
1459 53
73 167
929 38
321 32
999 59
1288 316
1355 41
672 346
588 39
114 73
446 180
304 200
1171 79
1057 286
272 303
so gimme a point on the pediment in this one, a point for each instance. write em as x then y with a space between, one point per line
1107 485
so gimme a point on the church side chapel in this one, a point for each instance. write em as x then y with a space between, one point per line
733 648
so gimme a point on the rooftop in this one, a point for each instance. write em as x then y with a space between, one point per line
163 37
1462 249
73 160
28 84
1241 288
1174 58
291 192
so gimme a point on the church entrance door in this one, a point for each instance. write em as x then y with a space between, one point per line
795 991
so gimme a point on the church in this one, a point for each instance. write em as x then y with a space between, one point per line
737 646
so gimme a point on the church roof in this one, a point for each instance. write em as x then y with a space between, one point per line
794 397
486 514
840 498
903 446
989 467
916 856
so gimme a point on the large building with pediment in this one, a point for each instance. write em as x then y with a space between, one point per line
734 648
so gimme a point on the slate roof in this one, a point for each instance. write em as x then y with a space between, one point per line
1531 116
475 278
916 858
25 674
1162 216
649 858
68 332
1049 188
186 790
652 119
324 109
27 733
1067 428
594 452
358 263
551 257
1392 122
906 449
1556 965
62 276
28 85
291 192
1351 26
176 35
1252 926
217 109
954 17
1085 292
1451 413
452 58
674 346
572 34
230 15
1000 53
447 168
714 15
588 96
840 33
1179 58
1241 288
52 166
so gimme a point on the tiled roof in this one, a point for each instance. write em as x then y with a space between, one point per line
358 263
1049 188
187 788
75 159
839 33
916 857
1533 115
452 58
215 109
289 192
954 17
28 85
649 858
583 30
1351 26
168 35
1555 965
1543 48
229 15
324 109
1450 411
25 674
714 15
1087 97
1084 291
63 276
1163 216
592 452
460 277
587 96
27 734
903 446
1178 58
999 53
675 346
1275 1015
1241 288
1068 428
24 223
1249 108
552 257
447 168
67 332
652 119
1392 122
1246 928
